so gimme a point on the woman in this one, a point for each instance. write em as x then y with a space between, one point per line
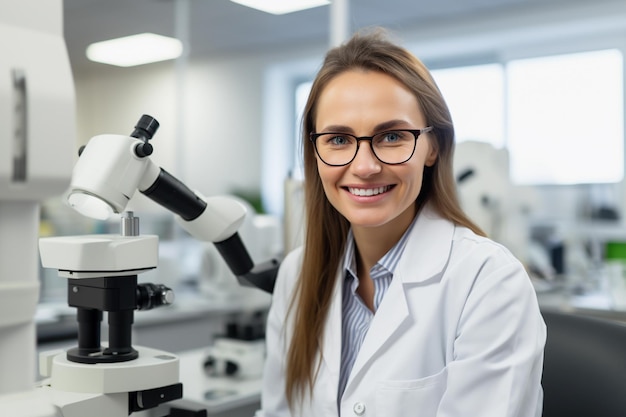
397 305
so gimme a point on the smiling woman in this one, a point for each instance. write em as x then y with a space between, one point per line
386 104
396 301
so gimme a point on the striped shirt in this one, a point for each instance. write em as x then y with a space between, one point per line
356 317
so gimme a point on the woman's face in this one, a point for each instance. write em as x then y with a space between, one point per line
367 192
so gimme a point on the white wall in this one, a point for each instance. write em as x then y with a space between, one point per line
111 100
223 120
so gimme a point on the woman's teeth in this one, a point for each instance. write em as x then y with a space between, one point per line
366 192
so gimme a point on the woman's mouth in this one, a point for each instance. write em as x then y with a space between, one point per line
368 192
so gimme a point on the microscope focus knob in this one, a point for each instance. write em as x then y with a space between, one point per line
143 149
168 297
150 296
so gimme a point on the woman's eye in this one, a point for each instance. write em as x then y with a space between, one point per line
391 137
339 140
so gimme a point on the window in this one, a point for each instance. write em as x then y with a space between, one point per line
474 96
561 117
565 118
302 94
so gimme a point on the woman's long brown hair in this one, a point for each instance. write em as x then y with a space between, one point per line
326 229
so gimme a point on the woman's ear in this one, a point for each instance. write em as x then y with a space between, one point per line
431 158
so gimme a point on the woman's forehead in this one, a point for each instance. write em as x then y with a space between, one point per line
372 98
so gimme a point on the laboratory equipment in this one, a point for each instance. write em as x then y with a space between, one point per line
240 351
36 138
262 234
112 167
37 135
102 275
236 358
91 379
490 199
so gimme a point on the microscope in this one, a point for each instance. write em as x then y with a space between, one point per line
112 167
96 379
102 269
117 378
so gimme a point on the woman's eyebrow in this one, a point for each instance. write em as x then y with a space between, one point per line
391 124
337 128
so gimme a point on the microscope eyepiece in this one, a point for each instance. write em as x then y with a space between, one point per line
145 128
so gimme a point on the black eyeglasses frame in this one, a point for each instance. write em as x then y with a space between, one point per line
415 132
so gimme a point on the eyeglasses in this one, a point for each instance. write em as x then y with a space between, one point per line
391 147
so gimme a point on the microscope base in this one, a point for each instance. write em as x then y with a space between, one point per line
152 369
47 402
98 390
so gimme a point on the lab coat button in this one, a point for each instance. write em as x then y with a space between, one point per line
359 409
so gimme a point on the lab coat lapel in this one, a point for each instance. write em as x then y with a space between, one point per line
428 250
425 257
392 312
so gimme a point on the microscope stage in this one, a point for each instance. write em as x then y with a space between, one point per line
99 255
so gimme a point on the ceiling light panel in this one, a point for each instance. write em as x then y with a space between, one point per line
281 6
134 50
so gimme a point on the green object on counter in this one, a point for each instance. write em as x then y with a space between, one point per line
615 251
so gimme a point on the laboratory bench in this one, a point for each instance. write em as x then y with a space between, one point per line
597 302
219 396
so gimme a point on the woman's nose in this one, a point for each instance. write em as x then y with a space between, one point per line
365 162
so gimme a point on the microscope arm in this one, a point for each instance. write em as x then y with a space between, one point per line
212 219
112 167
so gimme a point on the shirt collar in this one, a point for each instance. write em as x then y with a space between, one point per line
388 262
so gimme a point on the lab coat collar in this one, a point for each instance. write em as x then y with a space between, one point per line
424 258
428 250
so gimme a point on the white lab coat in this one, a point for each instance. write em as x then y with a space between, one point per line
458 334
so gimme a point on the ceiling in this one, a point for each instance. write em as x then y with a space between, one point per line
220 26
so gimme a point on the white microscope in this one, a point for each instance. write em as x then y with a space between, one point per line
118 379
37 101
